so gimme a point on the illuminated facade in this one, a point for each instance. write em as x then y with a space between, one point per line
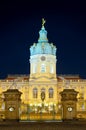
43 86
43 71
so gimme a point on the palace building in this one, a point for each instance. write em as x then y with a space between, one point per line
43 86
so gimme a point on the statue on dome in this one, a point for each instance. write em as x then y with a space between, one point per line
43 22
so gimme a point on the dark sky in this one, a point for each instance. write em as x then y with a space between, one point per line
20 23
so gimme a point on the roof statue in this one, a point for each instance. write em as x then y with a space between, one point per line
43 22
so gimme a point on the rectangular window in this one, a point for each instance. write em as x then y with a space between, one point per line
51 93
35 93
43 68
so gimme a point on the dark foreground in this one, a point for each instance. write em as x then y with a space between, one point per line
65 125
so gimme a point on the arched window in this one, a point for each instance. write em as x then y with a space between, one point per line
35 93
50 92
43 68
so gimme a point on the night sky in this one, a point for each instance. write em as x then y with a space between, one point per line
20 23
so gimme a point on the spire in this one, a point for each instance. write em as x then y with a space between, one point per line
43 33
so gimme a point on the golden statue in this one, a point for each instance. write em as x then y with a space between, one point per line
43 22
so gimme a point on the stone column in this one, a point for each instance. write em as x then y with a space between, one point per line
12 104
69 100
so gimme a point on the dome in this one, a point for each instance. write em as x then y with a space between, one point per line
43 46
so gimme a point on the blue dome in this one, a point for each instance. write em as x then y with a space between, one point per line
42 47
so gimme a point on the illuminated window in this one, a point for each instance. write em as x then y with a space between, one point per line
51 68
35 93
34 68
43 68
50 92
83 107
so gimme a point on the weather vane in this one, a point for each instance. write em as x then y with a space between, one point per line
43 22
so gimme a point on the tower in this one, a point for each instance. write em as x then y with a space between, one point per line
43 70
43 56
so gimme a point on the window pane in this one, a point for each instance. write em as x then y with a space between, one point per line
43 68
35 93
50 92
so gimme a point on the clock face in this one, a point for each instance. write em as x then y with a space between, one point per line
43 58
11 109
70 109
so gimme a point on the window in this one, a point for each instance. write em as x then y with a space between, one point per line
50 92
35 93
34 68
43 68
51 68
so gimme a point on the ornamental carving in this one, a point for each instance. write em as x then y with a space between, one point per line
68 94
